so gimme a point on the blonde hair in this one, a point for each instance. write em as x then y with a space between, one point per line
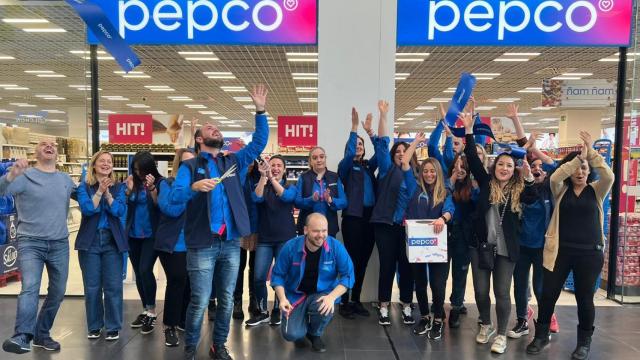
91 171
439 191
178 159
485 157
314 149
514 186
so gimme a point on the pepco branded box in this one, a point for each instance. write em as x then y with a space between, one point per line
423 245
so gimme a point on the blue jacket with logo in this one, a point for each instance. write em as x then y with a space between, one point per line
335 264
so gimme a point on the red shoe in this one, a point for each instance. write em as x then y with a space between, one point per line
554 327
529 313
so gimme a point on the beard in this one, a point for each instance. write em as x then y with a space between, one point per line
214 143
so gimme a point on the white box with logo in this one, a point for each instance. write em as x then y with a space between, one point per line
423 244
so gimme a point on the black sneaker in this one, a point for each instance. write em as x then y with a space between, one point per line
423 326
47 343
94 334
407 315
435 332
212 308
219 353
463 310
317 344
521 329
170 337
346 311
383 317
261 318
276 317
238 314
189 352
139 321
454 318
359 309
112 335
148 326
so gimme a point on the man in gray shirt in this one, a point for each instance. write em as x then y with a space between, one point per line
42 201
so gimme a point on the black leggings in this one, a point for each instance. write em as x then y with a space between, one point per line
143 257
358 240
586 266
178 292
437 279
392 251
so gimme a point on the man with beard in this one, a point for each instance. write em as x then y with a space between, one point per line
217 218
311 274
42 199
535 220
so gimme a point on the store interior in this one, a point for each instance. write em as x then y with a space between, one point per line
45 92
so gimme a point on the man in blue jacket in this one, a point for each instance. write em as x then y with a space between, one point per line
310 276
216 219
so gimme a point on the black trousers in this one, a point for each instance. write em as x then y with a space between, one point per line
392 252
586 266
143 257
437 279
178 291
237 293
358 237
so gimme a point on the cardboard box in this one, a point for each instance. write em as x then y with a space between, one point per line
423 245
11 224
9 261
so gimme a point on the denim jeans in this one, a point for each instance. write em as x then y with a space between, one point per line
221 260
305 319
101 267
265 254
34 255
528 257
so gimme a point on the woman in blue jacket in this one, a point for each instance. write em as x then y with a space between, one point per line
431 201
276 226
319 190
100 243
142 222
172 250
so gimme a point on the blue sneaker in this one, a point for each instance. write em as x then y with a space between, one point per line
18 344
47 343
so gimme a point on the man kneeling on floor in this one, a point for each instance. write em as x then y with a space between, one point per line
310 275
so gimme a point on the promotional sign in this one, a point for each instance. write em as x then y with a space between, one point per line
219 22
298 131
503 129
130 129
578 93
423 245
514 22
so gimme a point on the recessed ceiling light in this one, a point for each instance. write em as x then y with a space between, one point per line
404 119
308 100
302 54
403 74
566 78
55 120
532 90
242 98
202 58
549 119
450 90
7 85
249 106
185 99
310 113
106 112
542 108
129 73
505 100
99 52
44 30
439 100
195 106
409 60
195 52
99 58
234 88
577 74
302 59
529 123
25 21
136 76
156 86
307 89
156 112
55 98
511 60
305 78
414 114
53 111
485 108
6 57
163 90
17 88
218 117
140 106
4 111
234 126
521 54
524 114
39 71
426 107
417 54
116 98
208 112
551 127
22 105
178 97
51 75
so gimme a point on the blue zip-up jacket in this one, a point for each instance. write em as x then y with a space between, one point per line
421 206
433 147
94 218
307 185
171 221
275 213
335 264
536 216
358 179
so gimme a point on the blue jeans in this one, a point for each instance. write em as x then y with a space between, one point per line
305 319
265 254
102 276
222 259
33 256
528 257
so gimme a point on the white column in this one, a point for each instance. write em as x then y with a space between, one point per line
356 51
78 121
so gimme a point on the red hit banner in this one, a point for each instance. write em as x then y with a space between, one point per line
298 131
130 129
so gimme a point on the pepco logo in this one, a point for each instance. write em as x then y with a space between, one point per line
10 256
423 242
605 5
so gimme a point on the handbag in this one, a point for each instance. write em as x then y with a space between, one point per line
487 252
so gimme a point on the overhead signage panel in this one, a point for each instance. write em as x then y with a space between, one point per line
514 22
213 22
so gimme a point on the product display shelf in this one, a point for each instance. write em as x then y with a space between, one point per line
628 262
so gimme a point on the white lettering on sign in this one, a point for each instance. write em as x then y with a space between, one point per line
171 10
507 10
298 130
130 129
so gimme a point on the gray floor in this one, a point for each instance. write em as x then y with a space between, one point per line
617 337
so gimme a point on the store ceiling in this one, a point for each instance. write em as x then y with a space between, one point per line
164 66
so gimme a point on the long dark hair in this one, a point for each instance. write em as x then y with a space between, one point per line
461 189
364 150
146 165
414 158
570 156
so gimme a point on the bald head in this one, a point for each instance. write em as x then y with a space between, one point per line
315 230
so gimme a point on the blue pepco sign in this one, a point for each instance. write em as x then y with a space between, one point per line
515 22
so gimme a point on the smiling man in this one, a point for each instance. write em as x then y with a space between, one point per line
42 199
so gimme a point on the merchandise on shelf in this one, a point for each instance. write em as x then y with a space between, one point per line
133 148
628 260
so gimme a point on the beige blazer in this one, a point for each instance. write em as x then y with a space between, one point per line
558 188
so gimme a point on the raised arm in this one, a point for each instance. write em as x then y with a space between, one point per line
408 154
603 185
512 113
475 165
261 135
383 107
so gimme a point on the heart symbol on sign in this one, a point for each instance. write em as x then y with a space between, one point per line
290 5
605 5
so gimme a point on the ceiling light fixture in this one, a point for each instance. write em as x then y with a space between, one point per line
25 21
308 100
44 30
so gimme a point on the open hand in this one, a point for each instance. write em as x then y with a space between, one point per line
327 304
259 97
366 124
383 106
355 120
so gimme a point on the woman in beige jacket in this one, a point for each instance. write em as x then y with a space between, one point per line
574 241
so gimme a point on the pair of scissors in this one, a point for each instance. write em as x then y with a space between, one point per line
227 174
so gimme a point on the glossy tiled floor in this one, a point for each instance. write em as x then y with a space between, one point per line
617 335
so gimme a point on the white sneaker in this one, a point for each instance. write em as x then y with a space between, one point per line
485 333
383 318
407 315
499 344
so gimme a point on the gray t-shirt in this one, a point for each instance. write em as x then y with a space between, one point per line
42 202
495 234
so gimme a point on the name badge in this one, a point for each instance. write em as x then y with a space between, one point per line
201 171
356 168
